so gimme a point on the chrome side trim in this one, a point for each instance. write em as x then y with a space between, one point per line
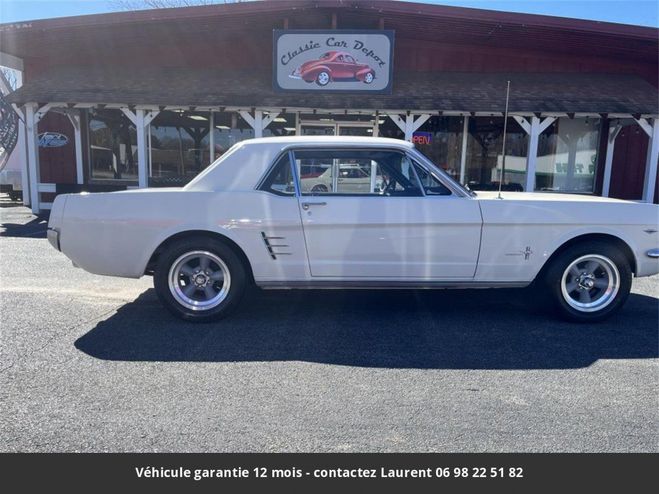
653 253
386 284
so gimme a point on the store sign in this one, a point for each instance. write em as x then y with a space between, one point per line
333 61
52 140
422 138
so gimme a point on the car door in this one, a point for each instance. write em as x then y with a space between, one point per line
394 230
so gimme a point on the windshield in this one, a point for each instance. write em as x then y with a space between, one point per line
446 175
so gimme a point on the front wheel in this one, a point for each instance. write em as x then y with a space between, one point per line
200 279
589 281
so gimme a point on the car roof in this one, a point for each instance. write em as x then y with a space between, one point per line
329 140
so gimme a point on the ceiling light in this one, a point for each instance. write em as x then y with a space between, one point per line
280 119
289 129
222 127
197 117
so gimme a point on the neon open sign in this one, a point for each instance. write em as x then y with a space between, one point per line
421 138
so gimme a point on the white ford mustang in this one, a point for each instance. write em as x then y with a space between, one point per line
246 219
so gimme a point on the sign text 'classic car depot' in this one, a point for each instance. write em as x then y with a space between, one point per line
333 60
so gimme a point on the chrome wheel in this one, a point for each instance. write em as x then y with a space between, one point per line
323 78
590 283
368 78
199 280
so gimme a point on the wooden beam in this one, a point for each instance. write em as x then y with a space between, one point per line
75 119
33 154
608 160
650 181
10 61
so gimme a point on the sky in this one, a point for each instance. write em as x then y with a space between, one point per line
638 12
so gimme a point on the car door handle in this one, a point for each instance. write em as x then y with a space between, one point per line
307 205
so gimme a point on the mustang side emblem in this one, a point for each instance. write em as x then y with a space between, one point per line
526 253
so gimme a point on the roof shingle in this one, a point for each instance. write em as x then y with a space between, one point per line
432 91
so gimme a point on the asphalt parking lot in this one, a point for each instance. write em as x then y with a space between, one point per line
90 363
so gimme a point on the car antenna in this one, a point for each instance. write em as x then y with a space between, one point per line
503 151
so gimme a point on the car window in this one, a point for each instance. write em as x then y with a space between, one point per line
431 186
357 172
280 180
339 58
348 58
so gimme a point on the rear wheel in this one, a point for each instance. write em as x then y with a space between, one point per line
589 281
323 78
200 279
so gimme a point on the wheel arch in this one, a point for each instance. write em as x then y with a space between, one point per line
153 260
587 237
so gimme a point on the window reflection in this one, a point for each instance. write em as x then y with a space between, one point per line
112 146
178 146
567 155
484 159
440 139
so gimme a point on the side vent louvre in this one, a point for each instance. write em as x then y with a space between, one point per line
274 245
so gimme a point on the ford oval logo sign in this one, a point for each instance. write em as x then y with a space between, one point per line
52 140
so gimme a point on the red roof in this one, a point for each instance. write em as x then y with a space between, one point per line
45 38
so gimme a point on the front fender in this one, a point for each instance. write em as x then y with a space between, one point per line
618 233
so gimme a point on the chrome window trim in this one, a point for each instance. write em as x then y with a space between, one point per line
269 169
439 174
296 179
351 147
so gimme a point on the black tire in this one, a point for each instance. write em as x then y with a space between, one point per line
605 299
237 276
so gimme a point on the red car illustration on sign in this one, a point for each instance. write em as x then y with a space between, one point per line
334 66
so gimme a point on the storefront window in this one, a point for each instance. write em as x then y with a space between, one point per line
484 159
388 128
112 146
567 155
440 139
231 128
178 147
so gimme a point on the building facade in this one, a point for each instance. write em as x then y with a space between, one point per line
150 98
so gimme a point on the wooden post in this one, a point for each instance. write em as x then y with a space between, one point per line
142 171
463 154
650 180
33 154
608 162
76 122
